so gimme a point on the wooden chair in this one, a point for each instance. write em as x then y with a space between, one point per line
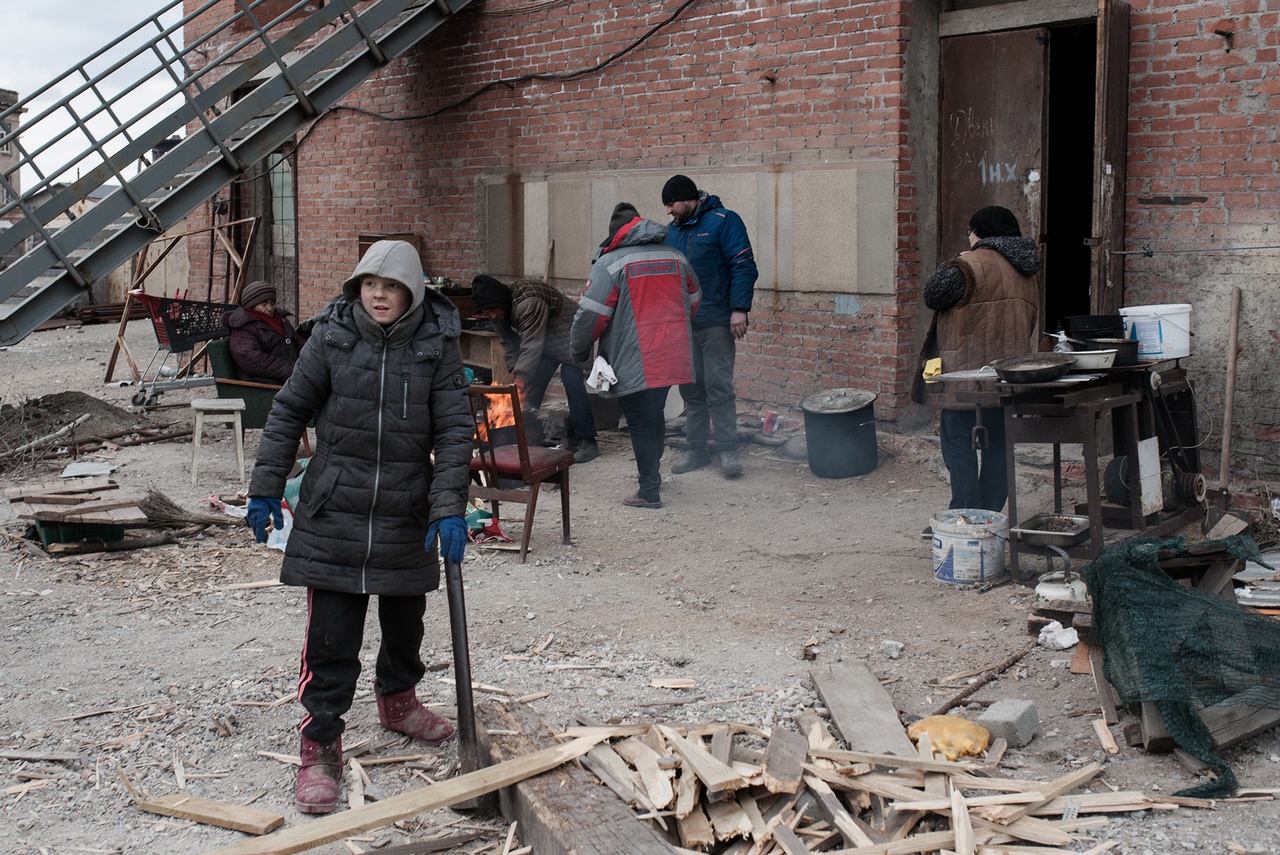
505 456
257 397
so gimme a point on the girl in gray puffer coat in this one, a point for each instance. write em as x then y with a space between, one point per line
382 376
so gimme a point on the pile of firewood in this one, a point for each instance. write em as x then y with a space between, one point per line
803 794
733 789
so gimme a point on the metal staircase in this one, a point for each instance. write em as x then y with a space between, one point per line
251 75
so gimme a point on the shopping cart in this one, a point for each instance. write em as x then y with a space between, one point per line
180 325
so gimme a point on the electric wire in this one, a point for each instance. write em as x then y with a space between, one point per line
509 82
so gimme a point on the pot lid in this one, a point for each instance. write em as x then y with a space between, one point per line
837 401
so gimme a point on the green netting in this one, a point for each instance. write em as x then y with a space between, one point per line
1182 649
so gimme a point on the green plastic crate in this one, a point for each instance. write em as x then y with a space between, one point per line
64 532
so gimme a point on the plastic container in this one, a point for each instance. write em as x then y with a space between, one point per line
840 432
969 546
1162 332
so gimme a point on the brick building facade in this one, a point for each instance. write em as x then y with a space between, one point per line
505 138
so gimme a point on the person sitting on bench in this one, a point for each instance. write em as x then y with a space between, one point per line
263 344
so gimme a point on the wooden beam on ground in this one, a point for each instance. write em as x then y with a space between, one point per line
565 811
235 817
1237 722
316 832
861 709
1155 739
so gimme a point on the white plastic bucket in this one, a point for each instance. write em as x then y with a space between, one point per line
969 545
1162 332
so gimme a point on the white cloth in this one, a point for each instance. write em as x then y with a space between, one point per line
601 376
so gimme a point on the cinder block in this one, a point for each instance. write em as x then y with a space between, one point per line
1015 720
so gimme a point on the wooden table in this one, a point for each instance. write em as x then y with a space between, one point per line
1057 413
483 349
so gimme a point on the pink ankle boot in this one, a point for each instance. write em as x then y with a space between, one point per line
318 777
404 713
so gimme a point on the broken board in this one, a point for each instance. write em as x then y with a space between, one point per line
862 709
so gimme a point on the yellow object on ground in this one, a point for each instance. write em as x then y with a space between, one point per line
954 736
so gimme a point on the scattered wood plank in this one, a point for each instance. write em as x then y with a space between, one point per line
784 761
861 709
1108 702
960 824
471 785
657 781
1105 737
235 817
840 818
1052 789
716 777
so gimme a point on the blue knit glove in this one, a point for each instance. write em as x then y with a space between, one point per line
452 532
260 508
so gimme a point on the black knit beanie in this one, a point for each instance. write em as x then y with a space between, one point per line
679 188
489 293
995 221
624 213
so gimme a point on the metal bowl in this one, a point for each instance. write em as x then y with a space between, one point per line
1033 368
1053 530
1092 360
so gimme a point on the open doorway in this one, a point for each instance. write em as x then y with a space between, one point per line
1032 115
1068 200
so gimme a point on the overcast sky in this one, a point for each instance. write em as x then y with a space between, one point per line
44 38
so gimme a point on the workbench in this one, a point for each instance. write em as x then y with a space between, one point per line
1147 404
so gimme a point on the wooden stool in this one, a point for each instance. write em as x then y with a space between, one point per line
218 411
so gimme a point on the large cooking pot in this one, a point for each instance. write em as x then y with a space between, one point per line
1034 367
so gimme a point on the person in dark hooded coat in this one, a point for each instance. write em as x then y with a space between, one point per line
263 344
987 305
382 376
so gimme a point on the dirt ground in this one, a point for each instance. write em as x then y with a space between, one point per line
165 670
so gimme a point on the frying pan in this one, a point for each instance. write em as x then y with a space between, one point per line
1034 367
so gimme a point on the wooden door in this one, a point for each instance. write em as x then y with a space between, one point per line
991 130
1111 119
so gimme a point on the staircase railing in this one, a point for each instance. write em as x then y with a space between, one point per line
293 59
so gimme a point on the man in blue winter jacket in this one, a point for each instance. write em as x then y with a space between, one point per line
715 241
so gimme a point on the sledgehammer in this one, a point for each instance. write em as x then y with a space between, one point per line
468 748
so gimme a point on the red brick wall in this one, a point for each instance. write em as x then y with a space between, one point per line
777 87
1203 194
726 85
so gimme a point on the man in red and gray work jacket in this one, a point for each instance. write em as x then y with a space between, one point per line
638 303
532 320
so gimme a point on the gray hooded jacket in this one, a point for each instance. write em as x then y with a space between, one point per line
384 401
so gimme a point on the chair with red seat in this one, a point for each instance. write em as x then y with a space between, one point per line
505 455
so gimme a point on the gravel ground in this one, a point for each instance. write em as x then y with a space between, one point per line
165 671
